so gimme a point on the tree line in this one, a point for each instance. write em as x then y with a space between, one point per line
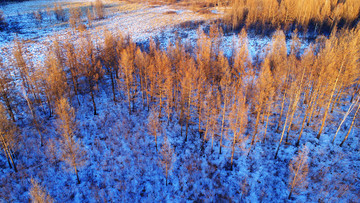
305 15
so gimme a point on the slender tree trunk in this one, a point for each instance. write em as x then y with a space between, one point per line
168 113
147 95
223 120
142 88
295 104
337 97
307 111
113 86
188 114
75 85
206 131
93 100
352 124
12 161
302 126
353 104
128 95
292 116
181 120
77 175
49 104
212 141
356 88
295 176
254 136
312 109
166 174
6 154
282 134
156 142
281 110
8 105
199 114
34 118
329 103
233 151
267 123
160 103
234 139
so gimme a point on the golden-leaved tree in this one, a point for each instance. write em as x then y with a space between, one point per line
298 171
72 153
8 138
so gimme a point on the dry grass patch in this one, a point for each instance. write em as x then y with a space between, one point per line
170 13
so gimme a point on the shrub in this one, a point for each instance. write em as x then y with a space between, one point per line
2 20
99 9
38 17
59 12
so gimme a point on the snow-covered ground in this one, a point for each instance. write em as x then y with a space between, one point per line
121 162
139 21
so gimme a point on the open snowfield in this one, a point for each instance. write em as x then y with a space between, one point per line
140 21
121 164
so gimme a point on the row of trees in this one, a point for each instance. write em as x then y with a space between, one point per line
318 14
228 101
288 12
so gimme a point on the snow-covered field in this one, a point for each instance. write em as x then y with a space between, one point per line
121 162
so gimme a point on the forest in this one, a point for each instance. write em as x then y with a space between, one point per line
104 118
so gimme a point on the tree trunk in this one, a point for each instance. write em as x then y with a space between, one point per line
312 109
166 175
212 142
281 111
307 111
302 128
188 114
113 86
168 113
12 161
77 175
267 123
206 131
291 117
352 124
160 103
75 85
7 156
254 136
345 116
34 118
223 120
156 142
329 103
128 95
232 152
142 88
293 182
49 104
282 134
93 100
199 116
8 105
356 88
295 104
181 119
337 97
